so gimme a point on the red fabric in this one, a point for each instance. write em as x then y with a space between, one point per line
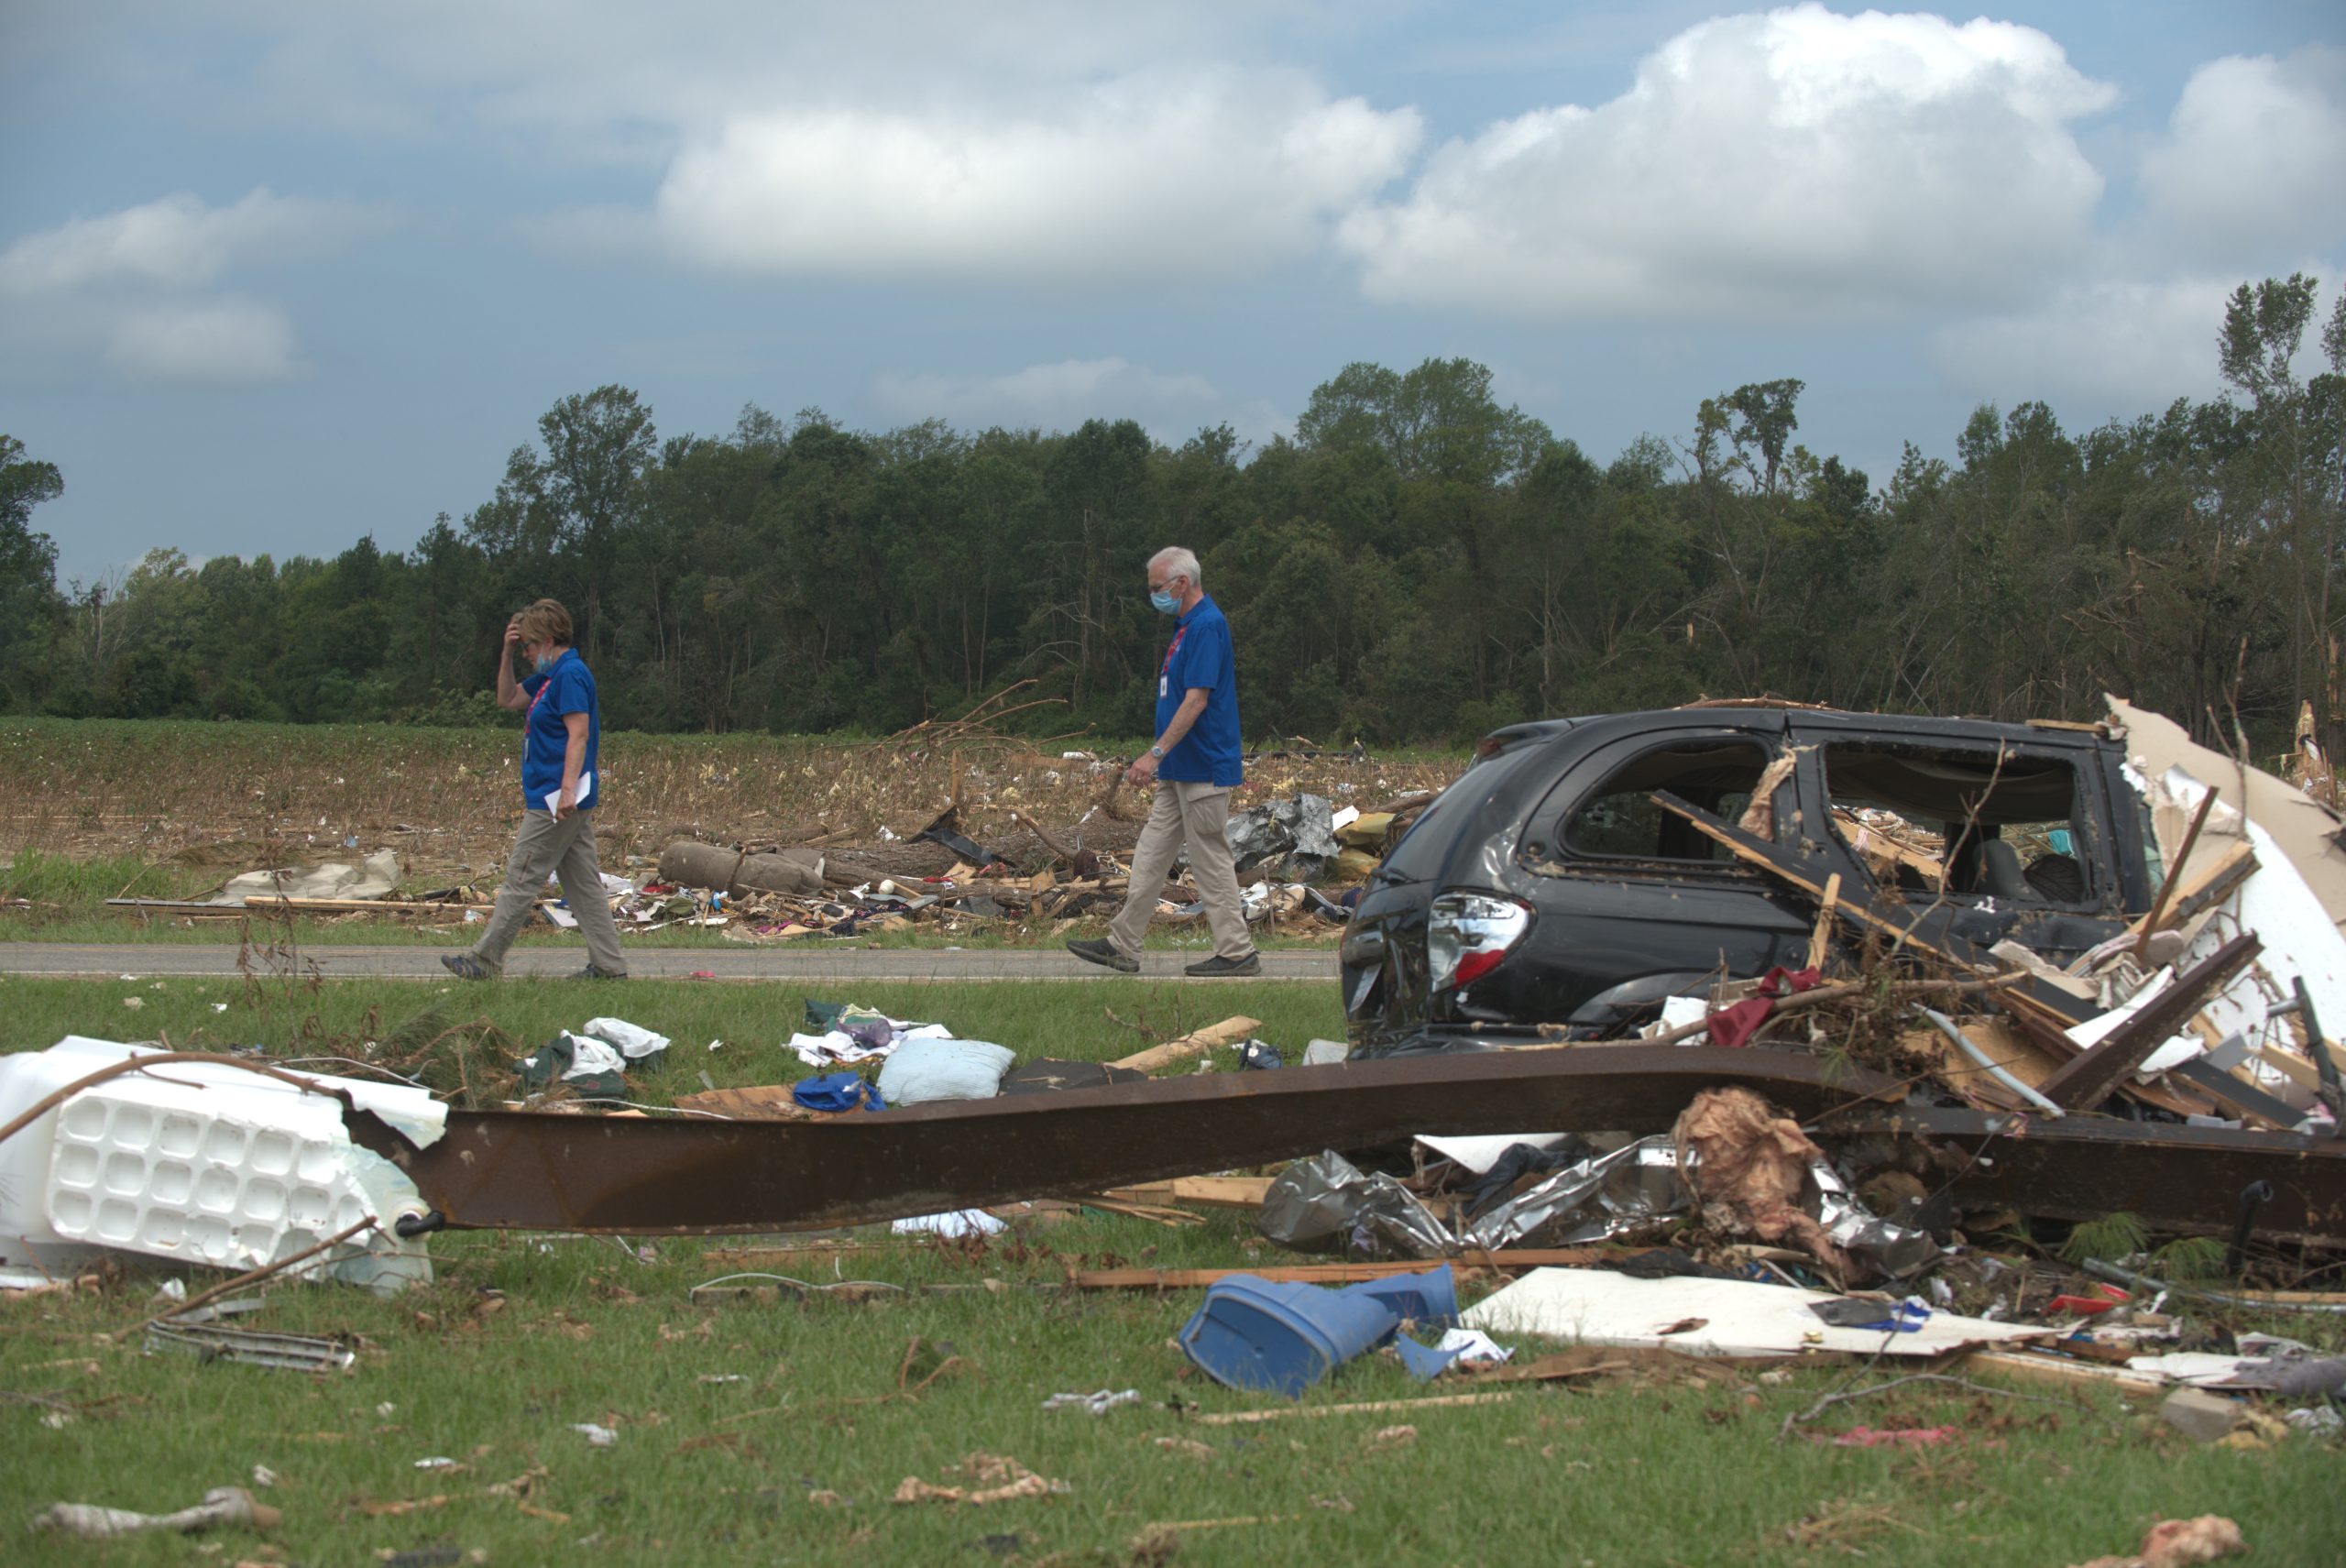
1734 1025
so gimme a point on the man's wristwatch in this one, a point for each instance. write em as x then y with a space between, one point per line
1158 753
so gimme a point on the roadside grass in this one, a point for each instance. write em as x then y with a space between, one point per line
290 1018
522 1335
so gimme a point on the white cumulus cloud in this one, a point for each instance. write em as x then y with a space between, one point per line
2130 345
2254 157
179 240
1794 162
1154 175
227 341
134 288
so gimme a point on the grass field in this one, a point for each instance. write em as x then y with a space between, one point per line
779 1431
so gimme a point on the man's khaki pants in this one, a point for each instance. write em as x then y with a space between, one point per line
1197 814
566 849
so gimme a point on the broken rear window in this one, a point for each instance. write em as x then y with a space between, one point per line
1960 822
1619 821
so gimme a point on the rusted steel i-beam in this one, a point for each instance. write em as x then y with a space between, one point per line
2172 1177
522 1171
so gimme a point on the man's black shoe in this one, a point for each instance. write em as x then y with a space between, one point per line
591 973
1093 950
1216 967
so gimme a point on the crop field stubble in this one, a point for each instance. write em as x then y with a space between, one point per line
223 797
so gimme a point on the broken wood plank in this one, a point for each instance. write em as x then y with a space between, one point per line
1331 1273
2151 921
2024 1366
1370 1408
1200 1191
2087 1080
357 906
1228 1032
1819 938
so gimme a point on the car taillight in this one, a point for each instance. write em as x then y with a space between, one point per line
1468 933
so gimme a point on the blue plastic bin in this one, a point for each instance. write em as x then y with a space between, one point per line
1252 1333
1430 1297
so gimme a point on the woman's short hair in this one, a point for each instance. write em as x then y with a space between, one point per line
547 621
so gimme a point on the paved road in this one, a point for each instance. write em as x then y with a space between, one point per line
77 958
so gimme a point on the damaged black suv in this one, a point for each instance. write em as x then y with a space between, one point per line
1549 886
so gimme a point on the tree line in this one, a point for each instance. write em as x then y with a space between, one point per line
1416 564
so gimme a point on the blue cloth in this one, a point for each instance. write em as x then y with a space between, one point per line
1199 658
566 688
837 1092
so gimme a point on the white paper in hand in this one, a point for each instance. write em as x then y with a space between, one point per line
585 788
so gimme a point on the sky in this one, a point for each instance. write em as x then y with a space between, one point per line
275 275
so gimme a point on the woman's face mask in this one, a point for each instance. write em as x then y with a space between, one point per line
540 661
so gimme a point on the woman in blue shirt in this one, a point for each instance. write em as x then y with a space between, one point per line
559 789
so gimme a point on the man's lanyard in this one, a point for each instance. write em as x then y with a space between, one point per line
1170 649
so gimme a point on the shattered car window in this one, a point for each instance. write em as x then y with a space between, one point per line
1960 823
1619 821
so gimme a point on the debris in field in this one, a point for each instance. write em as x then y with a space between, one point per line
999 1480
2178 1543
1749 1167
1251 1332
1095 1404
209 1342
596 1435
1370 1408
223 1507
923 1071
1388 1438
2204 1417
1296 836
1184 1445
1893 1437
1740 1318
218 1161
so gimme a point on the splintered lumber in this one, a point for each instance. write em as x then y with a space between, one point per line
1371 1407
1825 910
2205 885
1200 1191
2025 1366
2030 998
2087 1079
356 905
2166 885
1336 1273
1228 1032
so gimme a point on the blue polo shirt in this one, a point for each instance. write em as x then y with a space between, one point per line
1199 658
566 687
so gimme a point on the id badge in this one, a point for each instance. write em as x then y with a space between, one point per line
1160 689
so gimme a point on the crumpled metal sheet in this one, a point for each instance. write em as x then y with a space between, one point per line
1326 1203
1302 830
1591 1201
1898 1251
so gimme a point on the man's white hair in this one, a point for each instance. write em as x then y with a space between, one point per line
1179 563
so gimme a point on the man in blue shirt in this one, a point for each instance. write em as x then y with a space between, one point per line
1196 764
559 789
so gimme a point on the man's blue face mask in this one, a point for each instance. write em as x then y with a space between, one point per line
1164 600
